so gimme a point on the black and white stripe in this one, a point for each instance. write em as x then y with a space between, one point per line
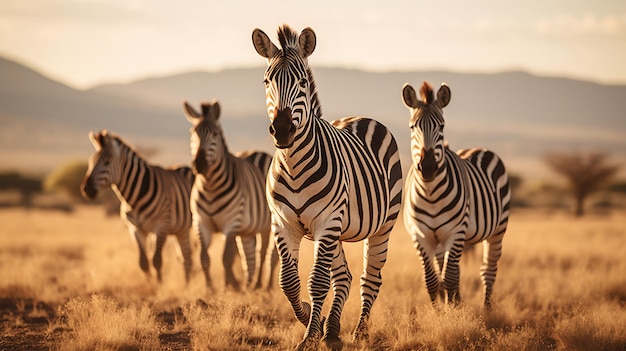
228 196
153 199
452 199
329 182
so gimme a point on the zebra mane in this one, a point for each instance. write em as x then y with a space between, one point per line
287 37
122 143
427 93
289 40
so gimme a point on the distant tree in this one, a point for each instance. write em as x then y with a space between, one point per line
67 179
585 173
26 186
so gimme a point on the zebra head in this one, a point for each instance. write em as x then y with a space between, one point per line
426 123
207 143
102 170
289 84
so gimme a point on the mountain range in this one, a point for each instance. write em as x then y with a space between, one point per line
44 123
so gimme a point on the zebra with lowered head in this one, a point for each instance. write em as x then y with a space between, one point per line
228 196
330 182
153 199
452 199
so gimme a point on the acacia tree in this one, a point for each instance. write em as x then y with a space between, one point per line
585 173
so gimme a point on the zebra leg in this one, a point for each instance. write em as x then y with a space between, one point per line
185 247
228 259
374 258
247 251
451 270
272 257
157 259
431 276
318 286
205 240
492 250
341 280
438 269
265 238
288 246
141 238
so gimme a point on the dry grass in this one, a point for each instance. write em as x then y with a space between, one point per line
73 282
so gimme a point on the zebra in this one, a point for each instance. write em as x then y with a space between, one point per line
228 196
153 199
452 199
330 182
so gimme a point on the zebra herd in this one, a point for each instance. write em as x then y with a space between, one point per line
329 182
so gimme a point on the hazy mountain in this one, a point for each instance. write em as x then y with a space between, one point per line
516 114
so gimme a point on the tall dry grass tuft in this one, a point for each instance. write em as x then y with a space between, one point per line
600 328
100 323
234 322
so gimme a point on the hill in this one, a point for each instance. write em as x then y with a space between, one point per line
518 115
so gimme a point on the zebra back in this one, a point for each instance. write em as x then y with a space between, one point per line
260 159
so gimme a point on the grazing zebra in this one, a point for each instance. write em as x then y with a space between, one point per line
228 196
452 199
154 199
329 182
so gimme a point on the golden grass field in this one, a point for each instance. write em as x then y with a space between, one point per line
72 282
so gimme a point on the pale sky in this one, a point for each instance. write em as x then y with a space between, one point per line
87 42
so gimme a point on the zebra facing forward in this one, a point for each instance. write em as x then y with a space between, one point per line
329 182
452 199
228 196
153 199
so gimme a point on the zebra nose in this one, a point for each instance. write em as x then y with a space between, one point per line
200 164
88 191
282 128
427 165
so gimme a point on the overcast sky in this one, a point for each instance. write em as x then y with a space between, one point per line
86 42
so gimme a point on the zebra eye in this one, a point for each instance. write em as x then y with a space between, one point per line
266 82
302 83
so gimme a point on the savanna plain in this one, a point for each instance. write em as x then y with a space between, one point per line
71 281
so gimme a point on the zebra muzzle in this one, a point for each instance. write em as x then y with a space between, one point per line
282 129
88 191
427 165
200 164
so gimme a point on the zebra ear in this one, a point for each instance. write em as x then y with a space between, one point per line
216 109
307 42
109 142
211 110
443 96
263 45
409 97
190 113
95 140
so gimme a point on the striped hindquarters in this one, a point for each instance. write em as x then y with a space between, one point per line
489 191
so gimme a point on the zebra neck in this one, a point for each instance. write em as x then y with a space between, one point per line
134 176
429 189
219 172
305 146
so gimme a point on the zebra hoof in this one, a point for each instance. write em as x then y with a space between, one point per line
333 342
308 344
